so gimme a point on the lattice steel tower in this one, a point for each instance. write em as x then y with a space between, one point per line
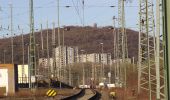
122 44
32 57
147 48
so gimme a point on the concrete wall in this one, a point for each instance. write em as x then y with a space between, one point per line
12 77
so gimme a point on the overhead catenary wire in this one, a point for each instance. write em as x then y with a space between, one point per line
78 12
92 6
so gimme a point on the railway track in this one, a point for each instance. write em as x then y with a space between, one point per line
85 94
82 94
88 93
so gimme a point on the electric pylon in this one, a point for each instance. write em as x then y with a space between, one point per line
32 58
122 51
116 64
146 70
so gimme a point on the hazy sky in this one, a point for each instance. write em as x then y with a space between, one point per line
96 11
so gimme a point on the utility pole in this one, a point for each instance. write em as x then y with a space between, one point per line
59 45
166 31
63 35
58 2
42 42
93 74
157 58
83 13
133 63
102 63
160 74
12 34
48 55
54 69
82 52
4 55
116 58
23 56
122 51
69 65
32 58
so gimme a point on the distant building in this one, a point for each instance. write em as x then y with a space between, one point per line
128 60
68 55
44 65
95 25
104 58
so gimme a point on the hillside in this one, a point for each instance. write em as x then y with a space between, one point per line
88 39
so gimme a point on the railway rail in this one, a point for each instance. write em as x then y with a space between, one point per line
85 94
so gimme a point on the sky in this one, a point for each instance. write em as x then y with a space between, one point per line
96 11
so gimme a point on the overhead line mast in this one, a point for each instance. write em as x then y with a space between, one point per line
160 74
12 34
150 75
32 58
122 51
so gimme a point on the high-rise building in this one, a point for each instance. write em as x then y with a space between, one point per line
68 55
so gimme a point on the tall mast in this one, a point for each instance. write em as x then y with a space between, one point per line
32 58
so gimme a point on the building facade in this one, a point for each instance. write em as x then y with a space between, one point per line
104 58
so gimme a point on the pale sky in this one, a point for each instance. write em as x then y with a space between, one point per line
96 11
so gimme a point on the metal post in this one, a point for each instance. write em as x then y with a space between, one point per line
63 59
133 63
102 63
12 34
166 31
157 58
23 56
63 36
48 55
116 67
122 44
69 65
83 68
4 56
54 68
32 58
139 58
60 63
29 76
42 42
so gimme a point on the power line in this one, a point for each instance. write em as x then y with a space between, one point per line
78 12
72 6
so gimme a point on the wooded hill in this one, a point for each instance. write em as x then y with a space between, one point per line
87 38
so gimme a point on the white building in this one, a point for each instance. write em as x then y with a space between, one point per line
128 60
68 55
104 58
